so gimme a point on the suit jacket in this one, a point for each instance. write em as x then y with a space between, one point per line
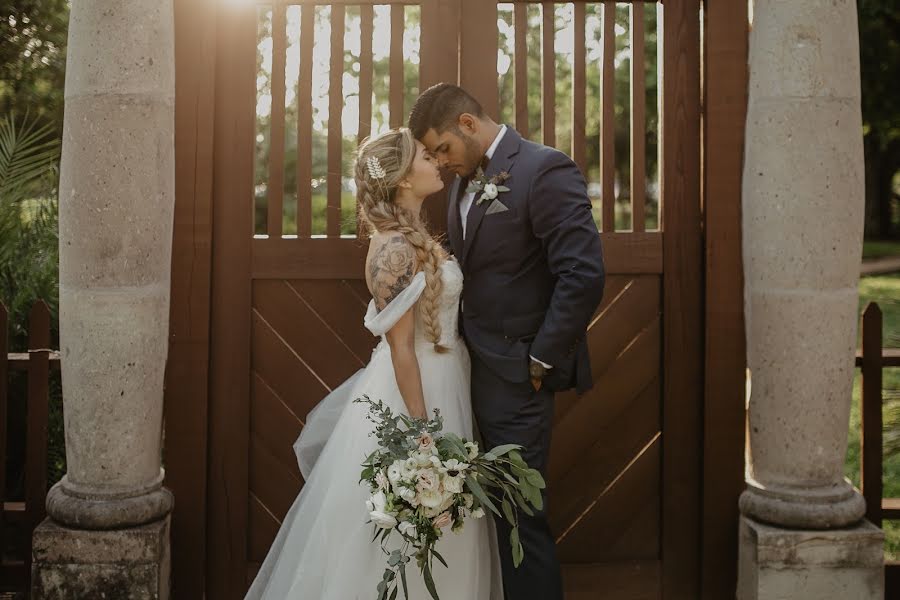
533 266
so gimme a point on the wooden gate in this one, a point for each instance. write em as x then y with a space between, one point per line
296 84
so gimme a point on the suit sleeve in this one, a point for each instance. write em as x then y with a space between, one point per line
560 215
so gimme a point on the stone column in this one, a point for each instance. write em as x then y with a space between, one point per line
803 202
115 235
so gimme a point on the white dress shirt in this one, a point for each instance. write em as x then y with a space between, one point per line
466 202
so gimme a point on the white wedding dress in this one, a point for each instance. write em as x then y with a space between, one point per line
323 550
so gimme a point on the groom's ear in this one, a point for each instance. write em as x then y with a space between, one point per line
468 123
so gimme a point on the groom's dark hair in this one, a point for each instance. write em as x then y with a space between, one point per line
439 108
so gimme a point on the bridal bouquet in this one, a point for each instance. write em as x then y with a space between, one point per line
424 482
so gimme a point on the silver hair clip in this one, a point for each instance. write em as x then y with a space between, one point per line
375 169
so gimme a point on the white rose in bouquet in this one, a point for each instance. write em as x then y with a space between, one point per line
395 471
422 460
407 528
378 512
472 449
431 498
409 495
453 485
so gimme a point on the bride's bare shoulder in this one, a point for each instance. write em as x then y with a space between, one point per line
390 266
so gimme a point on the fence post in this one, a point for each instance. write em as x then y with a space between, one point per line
870 472
4 383
37 416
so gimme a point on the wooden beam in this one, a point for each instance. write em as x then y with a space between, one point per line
229 357
683 356
343 258
186 393
725 88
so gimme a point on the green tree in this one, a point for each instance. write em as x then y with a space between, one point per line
879 45
33 57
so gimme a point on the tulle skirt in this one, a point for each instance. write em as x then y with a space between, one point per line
323 550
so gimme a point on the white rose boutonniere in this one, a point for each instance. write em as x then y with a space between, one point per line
489 188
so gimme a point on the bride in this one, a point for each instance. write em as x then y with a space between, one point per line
323 550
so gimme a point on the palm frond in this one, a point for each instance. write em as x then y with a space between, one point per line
28 150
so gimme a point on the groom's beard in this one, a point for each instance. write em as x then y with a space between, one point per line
474 154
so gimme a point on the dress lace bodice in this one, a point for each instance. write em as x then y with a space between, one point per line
379 323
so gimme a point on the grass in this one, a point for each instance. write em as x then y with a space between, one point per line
878 249
884 289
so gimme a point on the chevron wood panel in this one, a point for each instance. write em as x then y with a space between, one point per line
629 304
611 514
276 362
613 393
342 306
308 337
262 527
275 485
618 580
275 423
604 441
597 467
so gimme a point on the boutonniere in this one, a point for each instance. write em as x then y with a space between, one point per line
489 188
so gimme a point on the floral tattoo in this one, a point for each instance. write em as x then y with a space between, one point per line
391 270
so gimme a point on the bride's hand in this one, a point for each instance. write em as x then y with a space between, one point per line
418 413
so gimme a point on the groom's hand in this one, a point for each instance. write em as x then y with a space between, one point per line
537 371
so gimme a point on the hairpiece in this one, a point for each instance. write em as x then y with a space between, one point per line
375 169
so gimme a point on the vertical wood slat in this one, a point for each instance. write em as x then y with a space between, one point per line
186 394
548 74
397 85
520 22
275 187
4 383
579 89
366 30
367 27
870 472
441 19
335 108
607 119
304 121
638 117
477 53
229 352
724 431
683 384
37 416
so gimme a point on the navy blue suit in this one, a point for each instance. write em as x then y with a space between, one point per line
534 276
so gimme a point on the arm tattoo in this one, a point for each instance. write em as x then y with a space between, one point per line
391 270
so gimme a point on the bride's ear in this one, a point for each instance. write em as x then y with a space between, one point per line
404 183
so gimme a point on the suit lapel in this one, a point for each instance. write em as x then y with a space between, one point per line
503 159
454 227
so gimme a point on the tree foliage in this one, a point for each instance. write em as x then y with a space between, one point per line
879 45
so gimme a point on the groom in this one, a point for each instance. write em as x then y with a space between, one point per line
534 276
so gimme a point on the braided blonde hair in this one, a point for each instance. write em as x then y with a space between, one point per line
396 151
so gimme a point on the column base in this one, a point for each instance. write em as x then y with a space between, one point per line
803 508
73 564
82 510
837 564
